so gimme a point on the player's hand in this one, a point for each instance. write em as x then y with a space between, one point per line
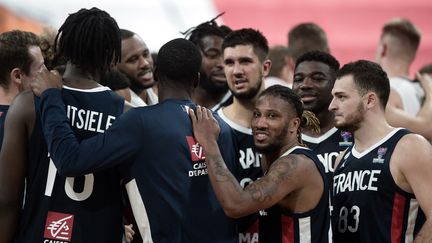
129 233
205 127
426 83
45 80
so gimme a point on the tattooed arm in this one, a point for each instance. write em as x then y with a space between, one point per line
282 178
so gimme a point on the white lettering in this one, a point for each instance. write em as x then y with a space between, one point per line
249 159
363 180
89 120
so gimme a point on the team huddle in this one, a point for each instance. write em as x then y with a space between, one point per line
218 138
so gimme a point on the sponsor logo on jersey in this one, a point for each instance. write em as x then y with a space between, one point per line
196 150
58 226
346 137
381 152
199 166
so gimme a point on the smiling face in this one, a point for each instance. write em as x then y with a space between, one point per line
347 104
244 71
313 82
136 62
274 124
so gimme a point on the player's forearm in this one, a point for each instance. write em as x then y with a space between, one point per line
225 185
425 234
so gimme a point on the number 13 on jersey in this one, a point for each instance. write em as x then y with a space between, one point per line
69 185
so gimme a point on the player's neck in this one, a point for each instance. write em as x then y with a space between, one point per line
75 77
396 69
370 132
240 111
201 97
7 95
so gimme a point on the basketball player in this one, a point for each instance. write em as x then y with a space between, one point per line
164 167
278 116
382 182
58 208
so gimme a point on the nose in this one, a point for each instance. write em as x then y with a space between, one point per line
258 123
143 62
307 82
332 106
237 69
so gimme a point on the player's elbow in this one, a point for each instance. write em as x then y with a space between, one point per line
235 210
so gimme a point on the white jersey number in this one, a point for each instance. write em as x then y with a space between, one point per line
77 196
344 213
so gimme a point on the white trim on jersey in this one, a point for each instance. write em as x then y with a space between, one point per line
305 232
292 149
317 140
139 211
92 90
412 216
234 125
358 155
223 100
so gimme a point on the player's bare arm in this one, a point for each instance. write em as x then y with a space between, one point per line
13 162
46 79
280 180
411 167
420 123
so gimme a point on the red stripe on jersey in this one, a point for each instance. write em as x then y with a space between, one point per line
287 229
397 218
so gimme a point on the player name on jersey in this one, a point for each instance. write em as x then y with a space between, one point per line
89 120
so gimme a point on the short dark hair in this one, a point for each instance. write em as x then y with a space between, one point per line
277 55
368 76
203 30
178 60
405 31
306 37
319 56
115 80
14 52
126 34
90 39
248 36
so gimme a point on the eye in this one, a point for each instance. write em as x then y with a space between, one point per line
229 62
298 79
256 114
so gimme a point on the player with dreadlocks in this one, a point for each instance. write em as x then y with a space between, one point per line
212 90
293 173
59 208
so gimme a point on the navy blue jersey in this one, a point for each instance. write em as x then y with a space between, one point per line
328 147
368 205
3 111
278 225
163 166
73 209
249 161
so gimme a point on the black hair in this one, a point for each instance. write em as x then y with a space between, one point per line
248 36
195 34
179 60
126 34
368 76
14 53
115 80
306 37
90 39
320 56
307 118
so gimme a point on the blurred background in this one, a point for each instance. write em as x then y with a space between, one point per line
353 26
